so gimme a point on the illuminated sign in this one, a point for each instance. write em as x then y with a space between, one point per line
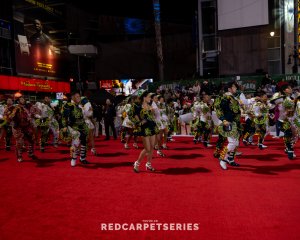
44 6
39 42
36 85
134 26
107 84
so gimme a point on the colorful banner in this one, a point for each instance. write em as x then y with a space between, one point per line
36 85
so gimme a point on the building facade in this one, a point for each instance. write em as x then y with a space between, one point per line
248 37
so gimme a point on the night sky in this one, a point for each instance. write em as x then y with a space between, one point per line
171 11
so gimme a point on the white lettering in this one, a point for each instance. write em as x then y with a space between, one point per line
117 226
196 226
178 226
103 226
146 226
110 226
125 226
172 226
138 227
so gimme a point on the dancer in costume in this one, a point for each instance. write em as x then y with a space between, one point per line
120 116
172 119
158 121
164 121
74 125
87 110
248 114
261 118
8 126
206 123
128 125
196 123
288 116
44 121
143 118
22 128
228 111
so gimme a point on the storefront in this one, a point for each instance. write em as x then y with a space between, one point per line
32 88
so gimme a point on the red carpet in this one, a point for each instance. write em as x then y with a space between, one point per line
48 199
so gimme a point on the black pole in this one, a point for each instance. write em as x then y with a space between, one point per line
295 53
79 75
156 10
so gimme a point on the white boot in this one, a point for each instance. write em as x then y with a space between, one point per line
262 146
73 162
223 164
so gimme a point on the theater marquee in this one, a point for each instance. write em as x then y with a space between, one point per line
35 85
